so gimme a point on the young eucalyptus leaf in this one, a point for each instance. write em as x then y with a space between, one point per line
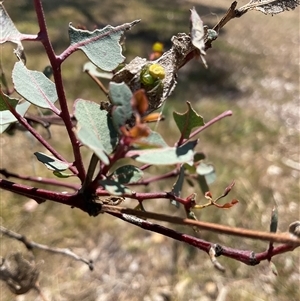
51 162
114 187
90 138
98 122
166 155
187 121
177 187
208 171
35 87
127 174
120 96
101 46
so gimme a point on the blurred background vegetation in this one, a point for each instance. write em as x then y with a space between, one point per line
253 71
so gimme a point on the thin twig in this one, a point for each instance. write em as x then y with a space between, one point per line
209 123
8 175
260 235
98 82
31 245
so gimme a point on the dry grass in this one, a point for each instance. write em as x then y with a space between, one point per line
253 70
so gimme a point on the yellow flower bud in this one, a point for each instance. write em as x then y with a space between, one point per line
157 71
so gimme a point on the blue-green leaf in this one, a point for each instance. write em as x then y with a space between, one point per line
35 87
95 128
120 96
51 162
166 155
208 171
113 187
101 46
89 138
127 174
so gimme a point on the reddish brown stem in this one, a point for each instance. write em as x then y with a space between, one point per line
244 256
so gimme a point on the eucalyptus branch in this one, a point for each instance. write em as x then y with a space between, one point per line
98 82
171 174
244 256
41 195
36 134
56 66
241 232
91 170
42 180
208 124
140 196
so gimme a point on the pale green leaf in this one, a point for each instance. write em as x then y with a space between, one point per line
165 156
51 162
120 96
208 171
127 174
35 87
101 46
97 125
113 187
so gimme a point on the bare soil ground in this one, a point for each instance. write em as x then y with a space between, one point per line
253 71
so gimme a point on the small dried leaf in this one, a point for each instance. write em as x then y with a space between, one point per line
197 33
140 130
271 7
9 33
153 117
139 101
